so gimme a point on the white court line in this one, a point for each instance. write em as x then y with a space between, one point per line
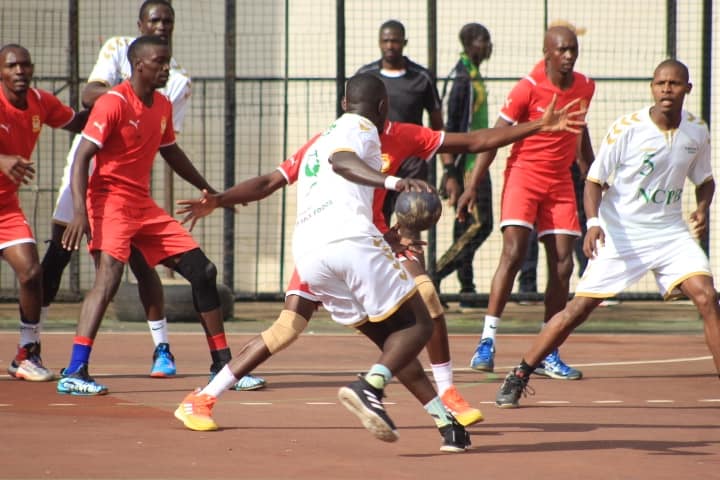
709 400
62 404
255 403
660 401
553 402
607 401
320 403
6 404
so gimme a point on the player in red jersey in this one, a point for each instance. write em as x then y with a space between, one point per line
538 191
399 141
23 111
127 127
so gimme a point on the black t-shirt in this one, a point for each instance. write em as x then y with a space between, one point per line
409 94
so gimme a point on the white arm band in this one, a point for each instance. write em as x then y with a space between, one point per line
391 182
592 222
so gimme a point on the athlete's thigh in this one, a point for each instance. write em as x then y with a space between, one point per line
677 259
557 213
161 236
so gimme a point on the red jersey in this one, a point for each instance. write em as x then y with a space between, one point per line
544 153
19 129
399 141
129 134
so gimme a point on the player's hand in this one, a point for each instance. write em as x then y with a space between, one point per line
195 209
698 223
563 119
413 185
400 243
17 169
466 203
453 189
594 240
74 231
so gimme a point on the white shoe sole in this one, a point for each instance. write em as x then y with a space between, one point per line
370 420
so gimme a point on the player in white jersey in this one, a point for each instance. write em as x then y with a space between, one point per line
636 226
156 17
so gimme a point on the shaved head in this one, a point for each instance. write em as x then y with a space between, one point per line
558 34
672 63
364 88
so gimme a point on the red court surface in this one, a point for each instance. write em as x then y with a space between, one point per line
649 408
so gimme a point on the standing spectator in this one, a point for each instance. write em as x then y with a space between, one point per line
637 225
467 110
156 17
127 127
411 90
23 111
538 191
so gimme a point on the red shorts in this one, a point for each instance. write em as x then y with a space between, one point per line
14 228
548 204
149 228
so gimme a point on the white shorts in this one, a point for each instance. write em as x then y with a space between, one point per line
64 204
356 279
672 259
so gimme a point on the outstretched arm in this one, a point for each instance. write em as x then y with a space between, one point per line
250 190
349 166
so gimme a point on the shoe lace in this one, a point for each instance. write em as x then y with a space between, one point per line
515 383
202 404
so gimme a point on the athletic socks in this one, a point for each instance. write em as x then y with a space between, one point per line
438 412
378 376
443 375
29 333
220 383
159 331
524 370
490 326
82 346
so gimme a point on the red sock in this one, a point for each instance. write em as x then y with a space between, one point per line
217 342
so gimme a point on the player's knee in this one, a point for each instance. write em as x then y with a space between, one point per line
197 269
30 276
284 331
427 291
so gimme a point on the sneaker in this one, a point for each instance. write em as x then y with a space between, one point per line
512 388
248 383
365 401
459 408
163 362
195 411
79 383
484 358
245 384
554 367
27 365
455 438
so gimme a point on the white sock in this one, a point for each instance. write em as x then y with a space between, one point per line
443 375
159 331
490 326
29 333
221 383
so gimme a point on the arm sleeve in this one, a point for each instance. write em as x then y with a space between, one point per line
107 66
104 117
516 104
609 156
701 169
458 101
58 114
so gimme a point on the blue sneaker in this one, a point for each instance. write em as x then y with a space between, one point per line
554 367
249 382
484 358
79 383
163 362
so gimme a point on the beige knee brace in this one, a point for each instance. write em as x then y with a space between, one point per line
284 331
429 295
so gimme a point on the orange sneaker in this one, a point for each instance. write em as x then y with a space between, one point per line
195 412
460 409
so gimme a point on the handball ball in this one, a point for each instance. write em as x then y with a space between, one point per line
418 211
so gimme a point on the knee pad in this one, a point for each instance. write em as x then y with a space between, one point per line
197 269
284 331
427 291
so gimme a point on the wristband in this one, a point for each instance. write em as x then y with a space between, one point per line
391 182
592 222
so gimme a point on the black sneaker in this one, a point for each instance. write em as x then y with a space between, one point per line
455 438
511 390
365 401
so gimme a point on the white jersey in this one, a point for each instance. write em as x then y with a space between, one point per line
112 68
646 168
329 207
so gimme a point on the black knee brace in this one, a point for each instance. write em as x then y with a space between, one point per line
53 264
197 269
